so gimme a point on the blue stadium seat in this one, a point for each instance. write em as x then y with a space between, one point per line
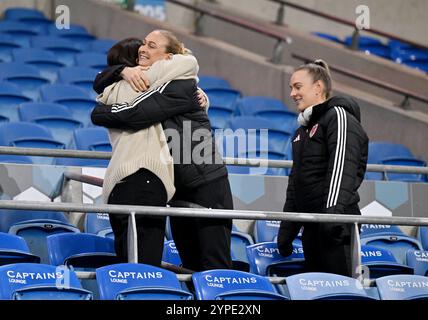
32 281
250 105
75 98
34 227
328 36
80 76
423 236
408 177
57 118
94 139
29 135
325 286
76 33
381 262
233 285
266 230
403 287
170 253
278 137
9 158
265 259
81 250
102 45
10 97
213 82
46 61
14 249
18 13
379 151
239 242
7 44
27 77
98 224
64 49
95 60
392 239
132 281
283 119
22 32
223 98
219 116
418 260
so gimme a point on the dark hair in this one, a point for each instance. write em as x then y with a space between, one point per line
319 70
174 45
124 52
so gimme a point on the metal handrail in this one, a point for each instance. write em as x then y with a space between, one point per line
211 213
279 36
347 22
407 93
227 161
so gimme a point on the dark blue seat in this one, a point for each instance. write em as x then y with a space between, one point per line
10 97
381 262
18 13
98 224
29 135
408 177
27 77
80 76
219 116
78 100
64 49
32 281
102 45
132 281
250 105
325 286
56 117
81 250
233 285
418 260
46 61
423 236
22 32
392 239
9 158
266 230
403 287
265 259
213 82
34 227
14 249
239 242
223 98
95 60
370 45
94 139
76 33
8 43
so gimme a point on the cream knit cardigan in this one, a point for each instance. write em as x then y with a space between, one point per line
145 148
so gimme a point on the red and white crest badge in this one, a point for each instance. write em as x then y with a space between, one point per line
313 130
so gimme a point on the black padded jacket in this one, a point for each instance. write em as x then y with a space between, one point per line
175 106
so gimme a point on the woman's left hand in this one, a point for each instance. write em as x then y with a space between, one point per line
202 99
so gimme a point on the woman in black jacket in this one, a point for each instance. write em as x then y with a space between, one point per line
199 173
329 162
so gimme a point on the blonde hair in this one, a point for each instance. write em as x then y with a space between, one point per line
174 45
319 70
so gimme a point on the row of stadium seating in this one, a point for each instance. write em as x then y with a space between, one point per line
394 50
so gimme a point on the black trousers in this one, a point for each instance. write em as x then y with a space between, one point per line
327 248
204 243
141 188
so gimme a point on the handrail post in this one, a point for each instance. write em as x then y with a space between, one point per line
405 104
278 52
130 4
356 252
280 15
198 24
132 239
355 40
